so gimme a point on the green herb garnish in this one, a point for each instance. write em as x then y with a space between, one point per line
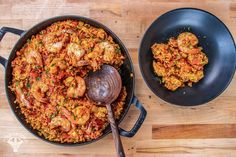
117 50
17 83
47 71
37 67
53 64
53 115
28 85
40 42
38 78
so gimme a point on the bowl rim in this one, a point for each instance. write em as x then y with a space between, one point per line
142 70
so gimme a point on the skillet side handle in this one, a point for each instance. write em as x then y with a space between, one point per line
138 123
3 61
3 31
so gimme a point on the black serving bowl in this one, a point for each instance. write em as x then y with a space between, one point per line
216 41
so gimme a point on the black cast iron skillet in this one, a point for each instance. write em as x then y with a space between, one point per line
126 71
217 43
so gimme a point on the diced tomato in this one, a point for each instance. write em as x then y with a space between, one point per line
66 136
195 61
74 23
48 120
99 122
61 75
45 105
51 89
193 51
33 74
62 116
53 79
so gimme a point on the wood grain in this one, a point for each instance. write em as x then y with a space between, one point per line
194 131
183 132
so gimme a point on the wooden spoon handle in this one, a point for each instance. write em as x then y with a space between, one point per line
116 136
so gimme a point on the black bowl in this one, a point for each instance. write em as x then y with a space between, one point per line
217 43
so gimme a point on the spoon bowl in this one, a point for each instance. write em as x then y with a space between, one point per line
103 87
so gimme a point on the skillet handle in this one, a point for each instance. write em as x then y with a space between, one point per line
138 123
5 30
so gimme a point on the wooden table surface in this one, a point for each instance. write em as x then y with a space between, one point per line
207 130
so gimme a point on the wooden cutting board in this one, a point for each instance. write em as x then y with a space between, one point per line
168 131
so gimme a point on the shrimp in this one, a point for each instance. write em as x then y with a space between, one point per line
34 57
55 64
63 123
75 50
109 51
159 69
76 86
104 49
186 41
51 45
80 115
20 96
38 91
197 60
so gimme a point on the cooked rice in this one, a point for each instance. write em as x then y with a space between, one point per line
48 80
179 61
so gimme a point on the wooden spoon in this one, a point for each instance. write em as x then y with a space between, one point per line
103 87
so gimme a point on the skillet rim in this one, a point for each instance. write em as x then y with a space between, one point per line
57 19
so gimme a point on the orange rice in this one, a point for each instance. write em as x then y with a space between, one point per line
179 61
48 80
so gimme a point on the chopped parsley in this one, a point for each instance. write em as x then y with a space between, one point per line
40 42
17 83
53 115
28 85
47 71
117 50
37 67
53 64
175 62
38 78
